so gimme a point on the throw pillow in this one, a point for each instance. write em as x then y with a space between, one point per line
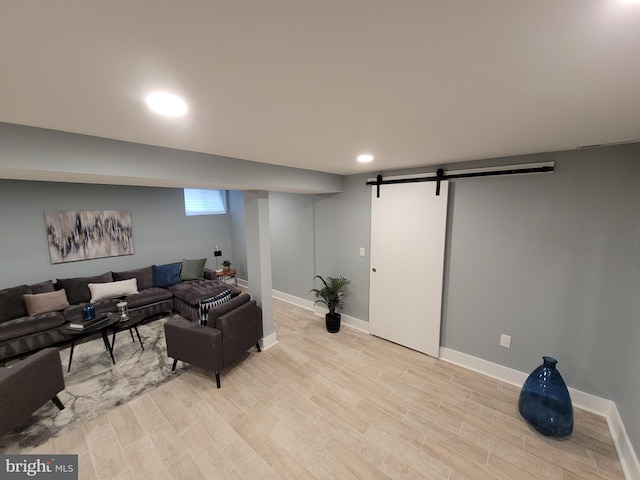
165 275
45 302
144 276
103 291
192 269
12 303
43 287
208 303
78 288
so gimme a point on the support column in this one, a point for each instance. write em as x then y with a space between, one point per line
258 239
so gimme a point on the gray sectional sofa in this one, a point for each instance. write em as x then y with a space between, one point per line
32 317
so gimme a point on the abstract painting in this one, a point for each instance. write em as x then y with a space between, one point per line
75 235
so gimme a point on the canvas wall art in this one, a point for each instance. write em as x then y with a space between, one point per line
75 235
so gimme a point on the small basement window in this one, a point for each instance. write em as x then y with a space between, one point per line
199 201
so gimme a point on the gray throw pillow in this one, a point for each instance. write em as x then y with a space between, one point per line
12 304
144 276
43 287
192 269
77 288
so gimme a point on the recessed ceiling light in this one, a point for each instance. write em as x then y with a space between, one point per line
167 104
364 158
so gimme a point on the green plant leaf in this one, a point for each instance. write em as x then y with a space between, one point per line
332 293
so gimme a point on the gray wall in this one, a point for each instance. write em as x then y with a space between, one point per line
292 230
343 225
238 240
552 260
292 242
161 231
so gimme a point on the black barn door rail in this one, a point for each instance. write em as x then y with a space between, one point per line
441 175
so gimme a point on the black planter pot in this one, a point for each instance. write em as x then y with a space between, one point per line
333 322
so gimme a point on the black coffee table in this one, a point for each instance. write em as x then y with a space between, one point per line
131 323
100 326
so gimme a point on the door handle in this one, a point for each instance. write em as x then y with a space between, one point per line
373 270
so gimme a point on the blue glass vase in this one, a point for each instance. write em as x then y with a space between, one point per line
545 402
88 312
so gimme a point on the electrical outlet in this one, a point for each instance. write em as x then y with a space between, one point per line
505 341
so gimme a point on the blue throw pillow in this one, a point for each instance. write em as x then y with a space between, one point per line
208 303
165 275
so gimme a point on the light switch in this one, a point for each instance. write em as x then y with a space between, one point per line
362 251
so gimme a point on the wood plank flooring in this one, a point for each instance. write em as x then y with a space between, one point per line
337 407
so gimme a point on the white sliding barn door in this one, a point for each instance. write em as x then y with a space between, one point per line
408 224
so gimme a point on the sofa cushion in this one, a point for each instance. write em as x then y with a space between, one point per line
165 275
144 276
103 291
45 302
19 327
148 296
77 288
192 269
208 303
12 304
43 287
193 291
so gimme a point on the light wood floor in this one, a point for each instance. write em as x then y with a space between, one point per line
333 406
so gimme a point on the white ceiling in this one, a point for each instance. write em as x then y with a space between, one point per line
311 84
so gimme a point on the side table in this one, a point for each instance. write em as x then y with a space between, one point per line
227 276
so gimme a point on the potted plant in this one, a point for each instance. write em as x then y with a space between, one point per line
332 296
226 264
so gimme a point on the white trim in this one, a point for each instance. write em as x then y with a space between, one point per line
300 302
493 370
600 406
269 341
352 322
582 400
585 401
355 323
626 453
500 168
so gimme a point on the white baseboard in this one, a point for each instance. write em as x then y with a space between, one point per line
582 400
585 401
493 370
269 341
300 302
321 311
628 457
355 323
346 320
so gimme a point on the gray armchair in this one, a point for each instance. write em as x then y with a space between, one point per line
28 385
226 337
